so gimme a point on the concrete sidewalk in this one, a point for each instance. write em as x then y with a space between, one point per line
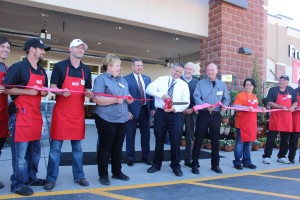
138 173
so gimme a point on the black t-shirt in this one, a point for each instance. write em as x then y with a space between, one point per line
60 69
19 74
297 92
273 94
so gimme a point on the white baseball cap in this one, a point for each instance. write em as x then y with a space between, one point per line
77 42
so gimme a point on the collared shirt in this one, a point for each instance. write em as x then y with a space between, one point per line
19 74
206 93
186 79
160 86
60 69
107 84
142 81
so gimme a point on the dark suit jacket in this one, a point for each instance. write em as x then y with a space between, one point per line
134 91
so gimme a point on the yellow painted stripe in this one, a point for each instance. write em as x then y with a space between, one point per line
248 190
278 177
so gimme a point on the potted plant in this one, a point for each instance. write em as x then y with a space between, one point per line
207 143
255 145
227 129
221 144
225 118
229 145
183 141
262 141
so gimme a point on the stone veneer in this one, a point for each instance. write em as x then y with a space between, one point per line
231 27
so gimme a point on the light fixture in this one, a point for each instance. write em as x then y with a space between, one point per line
99 43
245 51
148 51
118 28
45 35
176 38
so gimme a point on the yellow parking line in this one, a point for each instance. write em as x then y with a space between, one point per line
248 190
278 177
116 196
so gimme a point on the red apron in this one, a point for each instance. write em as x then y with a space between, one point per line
296 118
68 113
29 120
3 109
248 120
282 120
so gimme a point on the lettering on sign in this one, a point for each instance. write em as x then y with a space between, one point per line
293 52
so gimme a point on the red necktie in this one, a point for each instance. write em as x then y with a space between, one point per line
141 90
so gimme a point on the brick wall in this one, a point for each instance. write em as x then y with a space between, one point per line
231 27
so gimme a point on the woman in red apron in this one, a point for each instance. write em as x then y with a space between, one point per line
281 97
246 126
293 144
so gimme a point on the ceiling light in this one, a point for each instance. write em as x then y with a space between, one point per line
118 28
148 50
99 43
44 15
176 38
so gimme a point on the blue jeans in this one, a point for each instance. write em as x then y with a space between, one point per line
54 159
242 151
25 159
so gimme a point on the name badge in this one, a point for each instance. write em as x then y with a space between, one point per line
121 85
289 96
220 93
82 82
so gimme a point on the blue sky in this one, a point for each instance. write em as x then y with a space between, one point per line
289 8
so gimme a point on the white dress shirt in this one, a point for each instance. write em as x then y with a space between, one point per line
160 86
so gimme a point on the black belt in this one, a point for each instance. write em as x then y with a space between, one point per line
211 113
143 106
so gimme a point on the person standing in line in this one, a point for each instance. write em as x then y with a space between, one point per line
280 97
169 119
293 142
246 126
139 113
209 90
189 114
68 121
25 124
4 53
111 115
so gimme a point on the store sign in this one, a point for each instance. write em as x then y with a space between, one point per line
293 52
296 71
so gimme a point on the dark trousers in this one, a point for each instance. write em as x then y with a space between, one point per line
2 143
144 125
288 142
189 121
111 138
173 124
204 121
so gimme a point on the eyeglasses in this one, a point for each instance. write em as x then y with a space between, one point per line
248 85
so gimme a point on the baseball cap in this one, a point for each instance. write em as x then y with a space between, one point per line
77 42
4 40
286 77
35 42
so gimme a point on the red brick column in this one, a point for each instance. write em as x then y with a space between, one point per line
231 27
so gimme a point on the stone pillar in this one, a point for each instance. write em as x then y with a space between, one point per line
232 27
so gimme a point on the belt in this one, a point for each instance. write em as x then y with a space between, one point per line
143 106
211 113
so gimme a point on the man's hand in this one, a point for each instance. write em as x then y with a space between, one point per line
31 92
130 115
188 111
130 100
1 89
165 96
89 94
66 92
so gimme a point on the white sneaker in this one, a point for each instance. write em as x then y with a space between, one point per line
267 161
283 160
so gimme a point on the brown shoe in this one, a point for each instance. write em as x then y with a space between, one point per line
82 182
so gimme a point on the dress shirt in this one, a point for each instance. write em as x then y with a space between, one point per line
160 87
206 93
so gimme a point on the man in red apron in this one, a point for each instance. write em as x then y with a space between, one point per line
4 53
281 97
68 115
26 124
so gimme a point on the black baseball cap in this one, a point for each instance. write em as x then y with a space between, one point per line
286 77
4 40
35 42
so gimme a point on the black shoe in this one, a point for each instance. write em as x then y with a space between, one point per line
120 176
292 161
239 167
1 185
251 166
217 169
177 172
82 182
195 170
152 169
49 185
38 182
104 181
188 165
25 191
147 162
130 163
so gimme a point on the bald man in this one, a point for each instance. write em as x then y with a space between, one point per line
209 90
